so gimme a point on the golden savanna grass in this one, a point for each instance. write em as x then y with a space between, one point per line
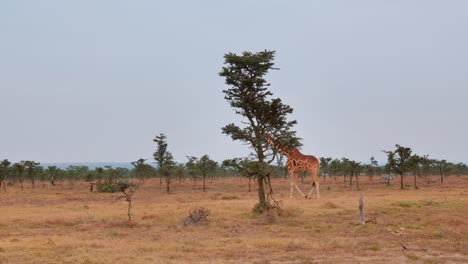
69 224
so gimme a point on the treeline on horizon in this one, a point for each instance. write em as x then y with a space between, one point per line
203 168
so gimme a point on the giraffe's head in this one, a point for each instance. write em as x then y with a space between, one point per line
275 144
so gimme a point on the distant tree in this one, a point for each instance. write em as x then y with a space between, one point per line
344 167
20 166
206 166
460 169
99 173
443 168
4 168
141 170
249 96
371 169
354 169
324 162
400 161
53 172
415 162
334 167
243 167
192 168
426 165
31 167
164 159
179 171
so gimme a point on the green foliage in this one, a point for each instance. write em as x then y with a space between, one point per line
206 165
164 159
401 161
162 156
142 170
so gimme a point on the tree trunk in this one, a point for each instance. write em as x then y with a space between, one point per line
401 181
168 181
351 180
262 203
21 180
442 178
32 181
249 185
129 211
204 179
357 182
415 185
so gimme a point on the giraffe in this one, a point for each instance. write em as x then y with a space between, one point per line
298 162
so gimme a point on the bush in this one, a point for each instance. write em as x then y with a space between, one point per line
197 216
112 186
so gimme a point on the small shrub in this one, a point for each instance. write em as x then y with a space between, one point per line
408 204
197 216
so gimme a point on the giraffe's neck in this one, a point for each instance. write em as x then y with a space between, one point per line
283 150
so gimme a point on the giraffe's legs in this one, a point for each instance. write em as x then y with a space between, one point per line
293 184
315 182
299 190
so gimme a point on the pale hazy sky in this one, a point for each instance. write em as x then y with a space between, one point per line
97 80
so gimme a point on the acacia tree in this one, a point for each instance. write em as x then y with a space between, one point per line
354 169
443 167
164 159
20 166
179 171
372 167
324 162
192 168
262 115
415 161
242 166
31 166
400 161
141 169
52 171
4 167
206 165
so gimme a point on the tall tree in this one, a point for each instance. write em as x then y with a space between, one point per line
164 159
4 168
206 166
400 161
248 94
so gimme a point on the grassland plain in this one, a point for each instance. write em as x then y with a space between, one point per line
69 224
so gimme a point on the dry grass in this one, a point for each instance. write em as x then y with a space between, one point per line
72 225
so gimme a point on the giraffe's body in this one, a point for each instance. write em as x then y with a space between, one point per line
297 163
